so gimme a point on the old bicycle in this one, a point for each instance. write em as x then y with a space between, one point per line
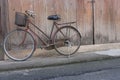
20 44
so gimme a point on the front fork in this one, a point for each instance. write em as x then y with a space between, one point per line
25 35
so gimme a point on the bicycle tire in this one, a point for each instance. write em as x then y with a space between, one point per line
65 42
19 45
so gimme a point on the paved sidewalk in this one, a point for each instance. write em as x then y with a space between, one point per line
51 58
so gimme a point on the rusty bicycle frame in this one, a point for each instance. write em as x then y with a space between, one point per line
50 38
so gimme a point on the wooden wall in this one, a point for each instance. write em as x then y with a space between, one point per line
105 13
85 20
3 25
69 10
107 21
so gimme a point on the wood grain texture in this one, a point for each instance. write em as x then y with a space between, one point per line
106 17
69 10
3 24
107 21
84 21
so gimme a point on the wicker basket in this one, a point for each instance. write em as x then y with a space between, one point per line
20 19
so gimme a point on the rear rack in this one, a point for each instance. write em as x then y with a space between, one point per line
67 23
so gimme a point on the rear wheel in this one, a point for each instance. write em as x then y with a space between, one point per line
19 45
67 40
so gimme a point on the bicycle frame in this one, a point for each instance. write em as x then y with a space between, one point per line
55 24
65 39
50 38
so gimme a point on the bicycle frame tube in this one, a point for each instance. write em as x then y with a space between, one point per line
55 24
23 38
49 38
38 36
52 30
39 30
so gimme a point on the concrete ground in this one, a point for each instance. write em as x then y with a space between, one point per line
51 58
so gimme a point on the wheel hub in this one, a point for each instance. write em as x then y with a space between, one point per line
67 43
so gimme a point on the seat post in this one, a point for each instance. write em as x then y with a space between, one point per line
54 22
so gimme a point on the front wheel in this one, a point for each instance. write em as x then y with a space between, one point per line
19 45
67 40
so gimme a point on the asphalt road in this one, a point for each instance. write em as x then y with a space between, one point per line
97 70
111 74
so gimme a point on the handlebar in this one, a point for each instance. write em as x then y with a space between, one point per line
30 13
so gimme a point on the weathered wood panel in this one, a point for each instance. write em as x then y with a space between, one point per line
69 10
0 26
3 24
4 16
1 37
84 20
107 21
106 13
13 7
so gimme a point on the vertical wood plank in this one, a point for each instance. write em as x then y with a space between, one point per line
12 9
49 11
1 37
107 21
4 16
117 20
41 17
84 21
66 9
0 22
3 23
61 9
27 5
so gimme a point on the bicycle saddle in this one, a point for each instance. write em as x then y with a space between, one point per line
53 17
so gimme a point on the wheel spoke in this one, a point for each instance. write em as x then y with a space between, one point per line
19 45
71 41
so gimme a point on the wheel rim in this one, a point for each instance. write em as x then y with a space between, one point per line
69 43
19 45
